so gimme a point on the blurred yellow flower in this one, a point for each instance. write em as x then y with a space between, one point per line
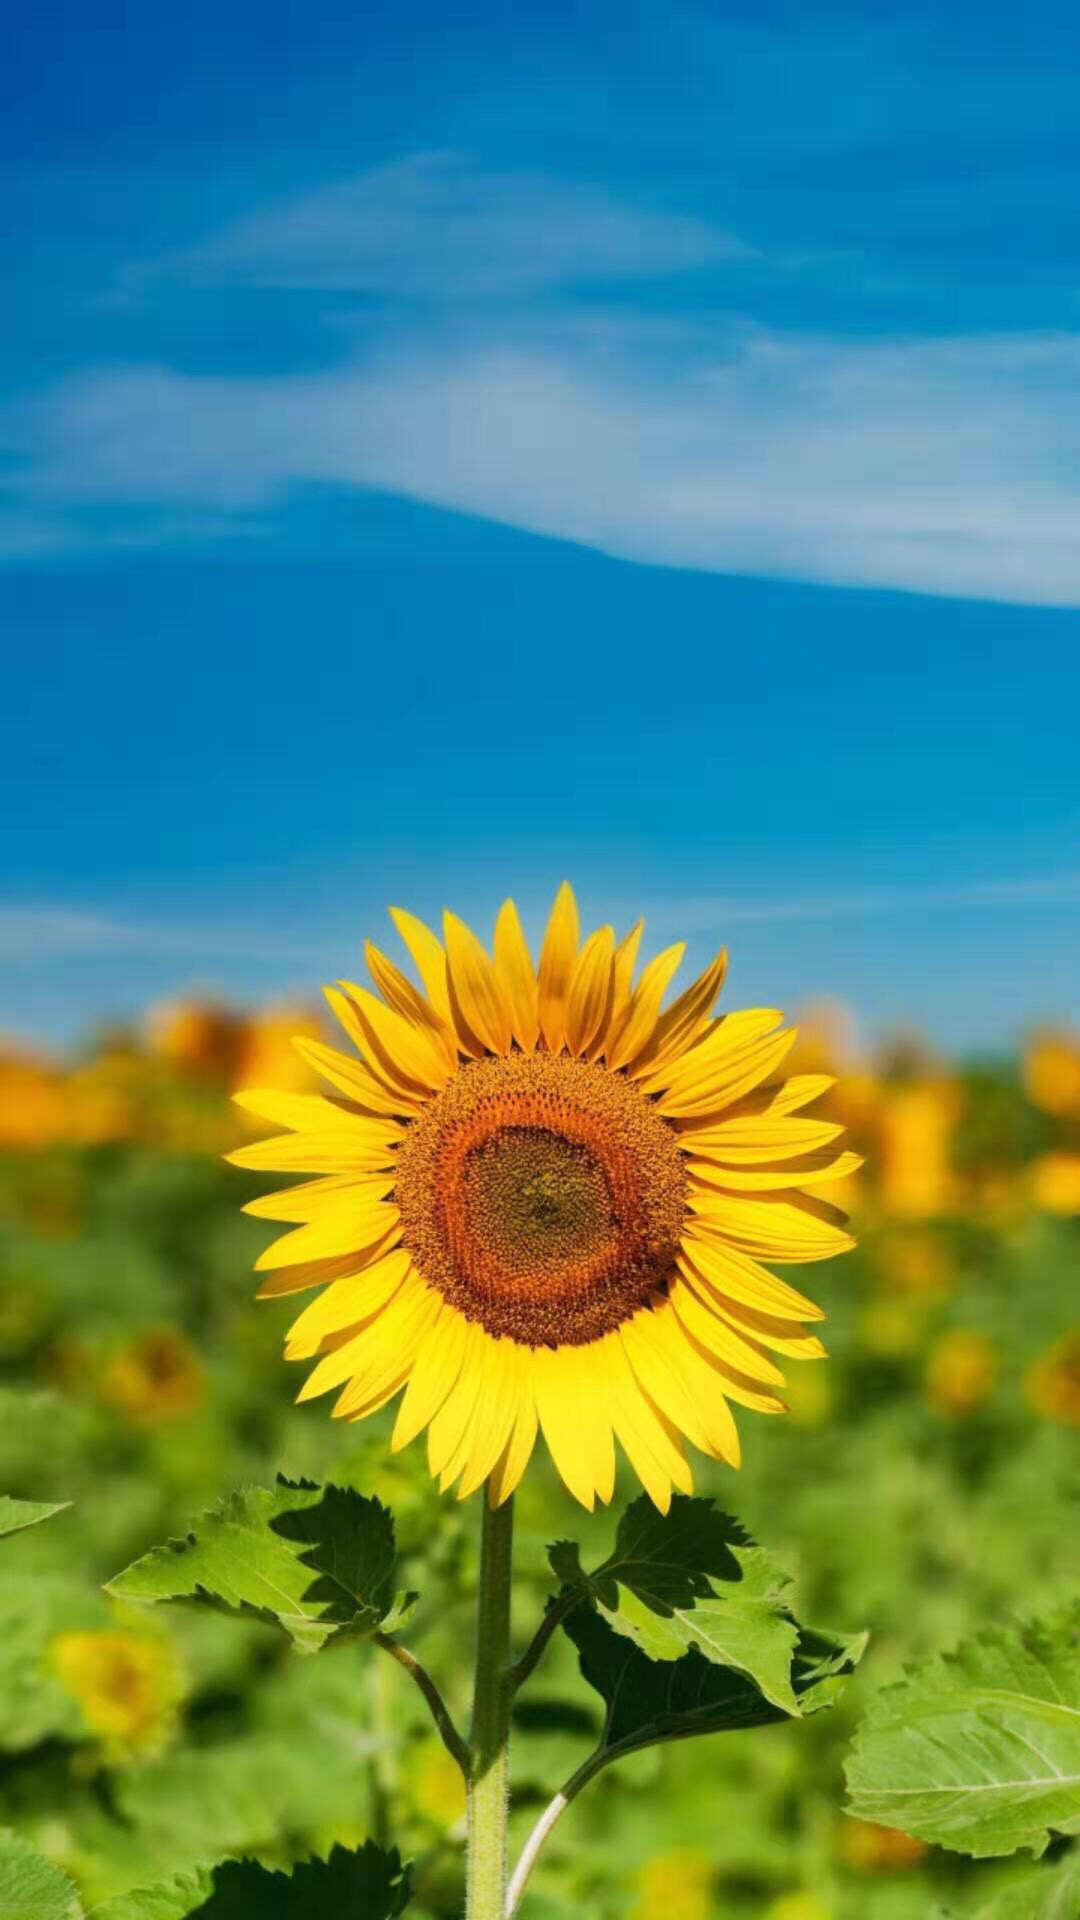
197 1038
674 1884
915 1265
1052 1382
1055 1183
157 1377
32 1110
1052 1072
267 1054
128 1687
960 1373
915 1137
873 1849
797 1906
436 1786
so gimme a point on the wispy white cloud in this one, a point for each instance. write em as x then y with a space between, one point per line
39 934
940 466
435 225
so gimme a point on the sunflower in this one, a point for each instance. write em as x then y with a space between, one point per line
542 1203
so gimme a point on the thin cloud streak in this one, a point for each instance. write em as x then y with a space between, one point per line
937 466
36 935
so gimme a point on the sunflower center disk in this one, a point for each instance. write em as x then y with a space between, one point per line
542 1196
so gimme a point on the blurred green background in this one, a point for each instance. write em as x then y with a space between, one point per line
921 1487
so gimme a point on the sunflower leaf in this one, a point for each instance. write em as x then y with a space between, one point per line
318 1561
17 1514
654 1700
693 1579
1046 1893
370 1884
979 1750
31 1885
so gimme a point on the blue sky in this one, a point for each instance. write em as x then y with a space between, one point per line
446 447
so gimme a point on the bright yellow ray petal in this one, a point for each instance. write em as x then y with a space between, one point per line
319 1273
428 957
557 958
405 1094
589 1006
313 1197
643 1431
400 1048
314 1113
728 1034
355 1079
437 1367
559 1411
650 1359
385 1343
448 1426
778 1335
514 965
779 1097
499 1404
508 1470
640 1023
347 1303
476 987
738 1277
685 1020
385 1359
731 1076
759 1139
719 1336
372 1400
684 1355
356 1225
788 1228
622 993
400 994
337 1152
813 1170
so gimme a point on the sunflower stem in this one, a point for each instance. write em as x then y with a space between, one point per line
489 1767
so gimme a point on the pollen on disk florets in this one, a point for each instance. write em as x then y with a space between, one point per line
542 1196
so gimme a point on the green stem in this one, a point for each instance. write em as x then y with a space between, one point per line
489 1771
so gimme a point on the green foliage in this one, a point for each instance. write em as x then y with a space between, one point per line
653 1700
979 1750
1047 1893
32 1888
367 1885
691 1579
321 1562
15 1515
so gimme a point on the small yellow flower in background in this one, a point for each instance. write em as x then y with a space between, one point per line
797 1906
197 1038
435 1785
157 1377
915 1266
128 1687
915 1130
674 1884
960 1372
542 1202
1055 1183
267 1055
1052 1072
873 1849
32 1112
1052 1382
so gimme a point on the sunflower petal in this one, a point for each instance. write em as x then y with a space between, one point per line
476 987
513 963
644 1011
685 1020
355 1079
428 957
589 1006
557 958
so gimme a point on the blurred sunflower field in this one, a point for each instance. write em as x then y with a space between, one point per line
922 1488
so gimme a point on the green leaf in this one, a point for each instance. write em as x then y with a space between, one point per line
17 1514
368 1885
693 1579
652 1700
1047 1893
32 1888
979 1750
320 1561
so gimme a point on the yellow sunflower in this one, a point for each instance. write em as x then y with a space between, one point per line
542 1205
